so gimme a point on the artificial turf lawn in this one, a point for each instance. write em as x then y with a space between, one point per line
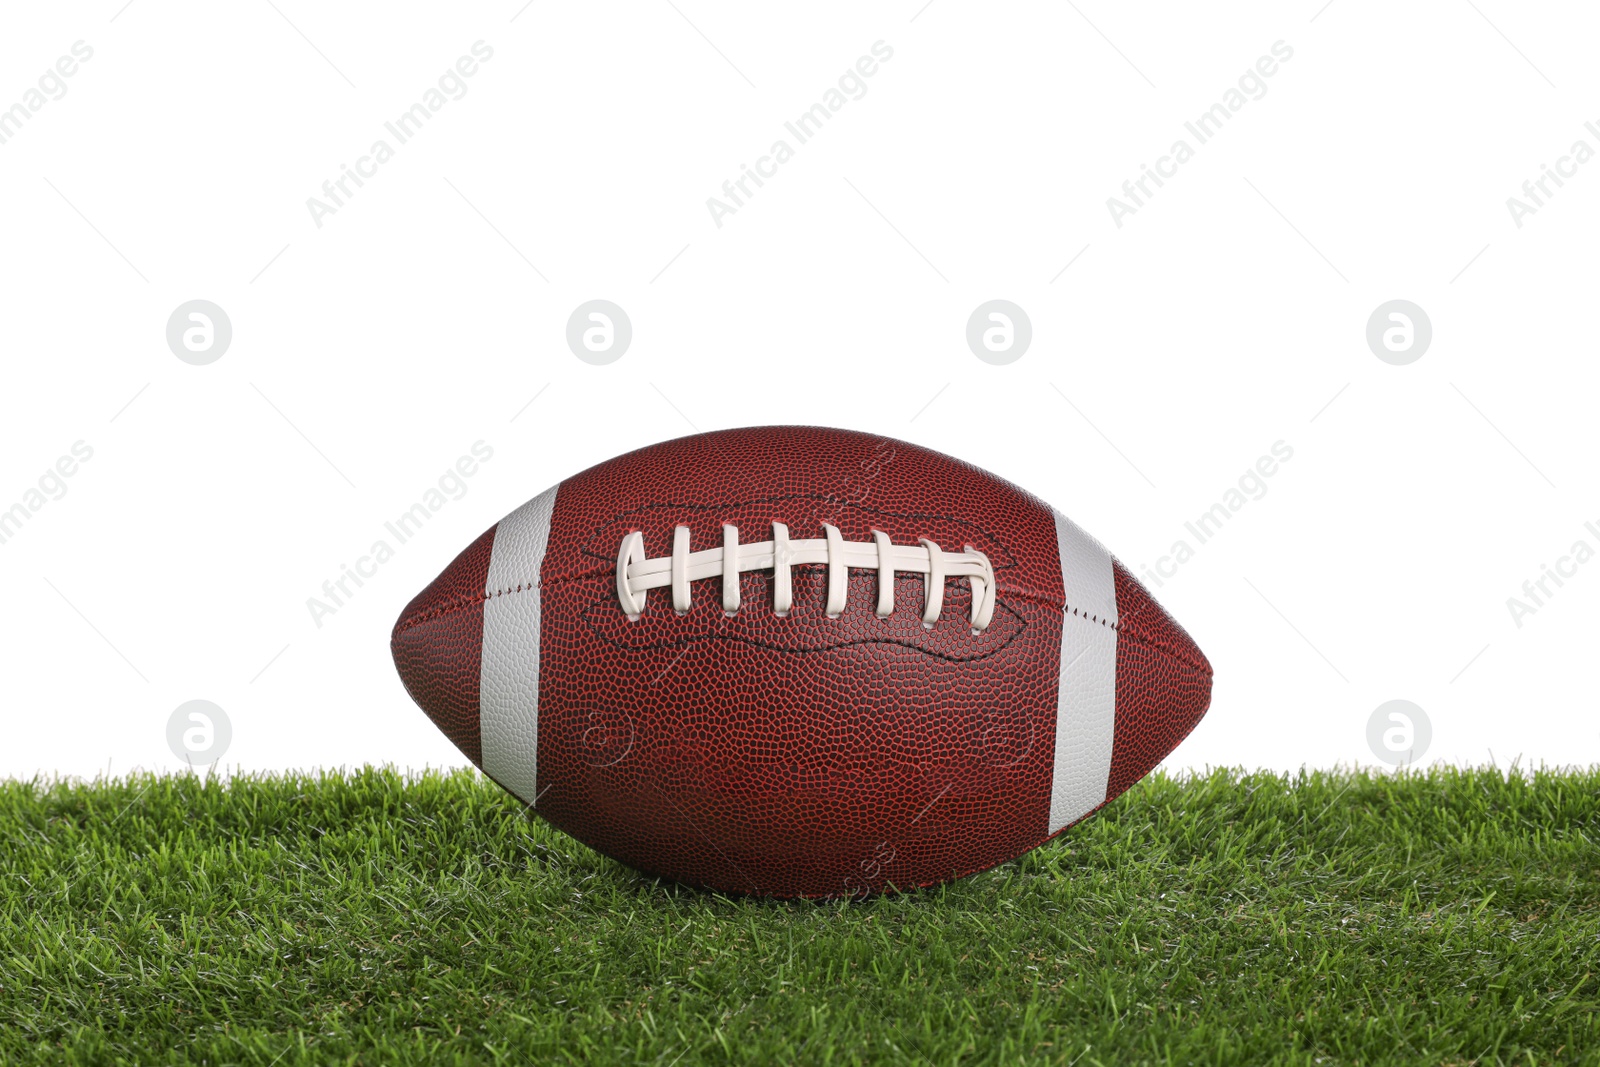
1447 918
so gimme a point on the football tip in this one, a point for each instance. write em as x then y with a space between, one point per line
437 645
1163 683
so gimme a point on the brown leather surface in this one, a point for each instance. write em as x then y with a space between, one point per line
1163 684
437 644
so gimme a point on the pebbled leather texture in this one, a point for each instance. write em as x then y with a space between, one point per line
436 644
803 756
1163 684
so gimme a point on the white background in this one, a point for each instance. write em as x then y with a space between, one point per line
1227 314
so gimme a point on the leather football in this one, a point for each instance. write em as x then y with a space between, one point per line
789 661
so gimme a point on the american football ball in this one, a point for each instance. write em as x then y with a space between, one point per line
789 661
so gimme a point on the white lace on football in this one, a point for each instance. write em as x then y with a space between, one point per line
637 575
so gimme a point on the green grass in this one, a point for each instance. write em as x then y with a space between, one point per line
1447 918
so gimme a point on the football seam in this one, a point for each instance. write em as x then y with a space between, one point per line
900 642
466 600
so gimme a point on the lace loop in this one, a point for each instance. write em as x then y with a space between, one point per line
934 601
782 587
632 552
885 574
730 569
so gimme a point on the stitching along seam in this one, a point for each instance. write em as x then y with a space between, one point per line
637 575
472 600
